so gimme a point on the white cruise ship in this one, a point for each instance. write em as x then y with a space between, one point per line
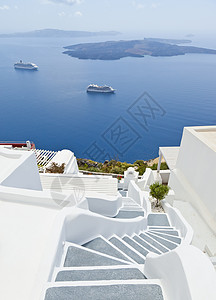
26 66
100 89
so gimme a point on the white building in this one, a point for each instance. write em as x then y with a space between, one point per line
193 178
74 236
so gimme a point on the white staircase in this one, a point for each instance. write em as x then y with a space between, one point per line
113 268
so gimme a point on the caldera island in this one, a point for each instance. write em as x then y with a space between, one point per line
112 50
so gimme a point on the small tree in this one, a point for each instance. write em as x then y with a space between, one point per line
158 191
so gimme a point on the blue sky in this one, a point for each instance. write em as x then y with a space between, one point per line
179 16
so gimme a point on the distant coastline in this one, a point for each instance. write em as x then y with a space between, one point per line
56 33
113 50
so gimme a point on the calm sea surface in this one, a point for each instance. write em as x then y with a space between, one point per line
51 107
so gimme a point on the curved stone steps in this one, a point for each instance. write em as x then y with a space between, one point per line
101 290
77 256
146 245
165 231
118 273
135 245
130 209
129 214
165 242
158 220
160 228
109 269
104 246
127 249
153 242
169 237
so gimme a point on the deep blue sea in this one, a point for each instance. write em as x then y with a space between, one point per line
51 107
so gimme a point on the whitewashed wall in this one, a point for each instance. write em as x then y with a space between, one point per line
194 178
19 169
187 273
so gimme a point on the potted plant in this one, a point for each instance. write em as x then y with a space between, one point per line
159 192
119 178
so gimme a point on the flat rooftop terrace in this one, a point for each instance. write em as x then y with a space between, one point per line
207 135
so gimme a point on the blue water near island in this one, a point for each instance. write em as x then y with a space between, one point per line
51 107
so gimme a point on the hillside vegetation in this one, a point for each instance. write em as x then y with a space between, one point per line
117 167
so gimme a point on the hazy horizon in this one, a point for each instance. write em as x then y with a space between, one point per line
147 16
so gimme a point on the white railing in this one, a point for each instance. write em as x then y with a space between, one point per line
179 222
140 197
43 157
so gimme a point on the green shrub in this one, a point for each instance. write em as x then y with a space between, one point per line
117 170
125 166
84 167
162 167
106 168
112 162
93 169
139 162
158 191
141 169
154 167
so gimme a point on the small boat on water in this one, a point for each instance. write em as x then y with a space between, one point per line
93 88
25 66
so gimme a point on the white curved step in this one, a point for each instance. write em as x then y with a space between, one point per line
80 256
127 249
174 239
104 290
